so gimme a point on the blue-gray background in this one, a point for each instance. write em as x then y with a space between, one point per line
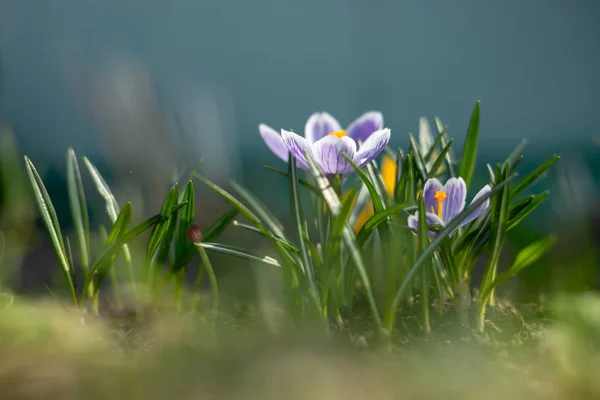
533 64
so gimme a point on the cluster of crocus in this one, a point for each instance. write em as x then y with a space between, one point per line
362 141
326 142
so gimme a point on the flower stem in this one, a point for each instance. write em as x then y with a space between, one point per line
425 301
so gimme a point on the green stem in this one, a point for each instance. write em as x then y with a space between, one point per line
214 288
425 300
197 284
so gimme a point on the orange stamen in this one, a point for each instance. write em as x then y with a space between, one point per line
440 197
338 134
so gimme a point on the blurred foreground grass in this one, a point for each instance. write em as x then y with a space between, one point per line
49 351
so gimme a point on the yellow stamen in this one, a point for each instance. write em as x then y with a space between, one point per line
388 174
338 134
440 197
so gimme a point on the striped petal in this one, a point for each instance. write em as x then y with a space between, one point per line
274 141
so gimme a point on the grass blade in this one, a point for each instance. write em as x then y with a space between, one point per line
469 155
214 287
301 228
335 206
239 253
301 181
217 227
51 221
528 179
78 209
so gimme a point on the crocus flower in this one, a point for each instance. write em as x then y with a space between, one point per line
444 202
319 125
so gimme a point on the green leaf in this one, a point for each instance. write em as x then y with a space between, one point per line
51 221
112 207
78 209
378 204
186 220
269 220
369 227
440 160
283 242
444 142
239 252
418 157
214 287
216 228
532 176
469 156
304 183
335 208
161 228
119 228
108 253
435 244
518 214
524 259
301 228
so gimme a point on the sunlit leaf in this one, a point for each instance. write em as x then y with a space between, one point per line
469 155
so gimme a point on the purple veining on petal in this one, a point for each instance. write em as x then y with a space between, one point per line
296 144
361 128
431 186
274 141
482 208
328 154
319 125
456 190
372 147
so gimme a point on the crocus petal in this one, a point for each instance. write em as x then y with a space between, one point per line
482 208
365 125
372 147
319 125
432 219
456 190
296 145
274 141
431 186
328 154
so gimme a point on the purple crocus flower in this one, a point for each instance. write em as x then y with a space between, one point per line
328 151
444 202
319 125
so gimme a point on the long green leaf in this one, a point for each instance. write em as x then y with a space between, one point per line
335 207
369 227
217 227
440 159
260 210
128 236
78 209
304 183
469 155
444 142
528 179
112 209
418 157
214 287
239 252
378 204
301 228
186 220
517 215
283 242
51 221
524 259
